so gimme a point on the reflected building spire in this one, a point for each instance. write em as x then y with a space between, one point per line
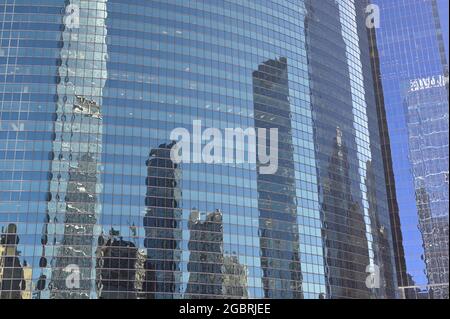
344 226
345 139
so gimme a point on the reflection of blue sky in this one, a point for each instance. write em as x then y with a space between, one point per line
397 70
412 238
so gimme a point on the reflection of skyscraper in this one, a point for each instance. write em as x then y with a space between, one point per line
413 70
205 256
271 224
117 266
344 226
234 278
12 281
427 122
279 238
341 91
435 232
75 186
161 223
70 230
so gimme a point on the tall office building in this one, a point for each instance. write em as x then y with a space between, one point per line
412 64
90 93
351 195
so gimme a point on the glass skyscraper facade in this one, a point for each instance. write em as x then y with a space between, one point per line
413 73
93 206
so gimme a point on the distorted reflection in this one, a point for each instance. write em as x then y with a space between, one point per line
15 278
212 274
120 267
162 225
279 237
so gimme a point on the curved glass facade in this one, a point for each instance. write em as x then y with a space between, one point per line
93 206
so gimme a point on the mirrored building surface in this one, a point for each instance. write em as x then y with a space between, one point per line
413 76
92 89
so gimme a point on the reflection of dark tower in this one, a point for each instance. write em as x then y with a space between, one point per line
116 268
344 227
279 239
11 271
161 223
206 256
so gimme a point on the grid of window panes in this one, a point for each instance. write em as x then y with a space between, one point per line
356 226
86 178
414 74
